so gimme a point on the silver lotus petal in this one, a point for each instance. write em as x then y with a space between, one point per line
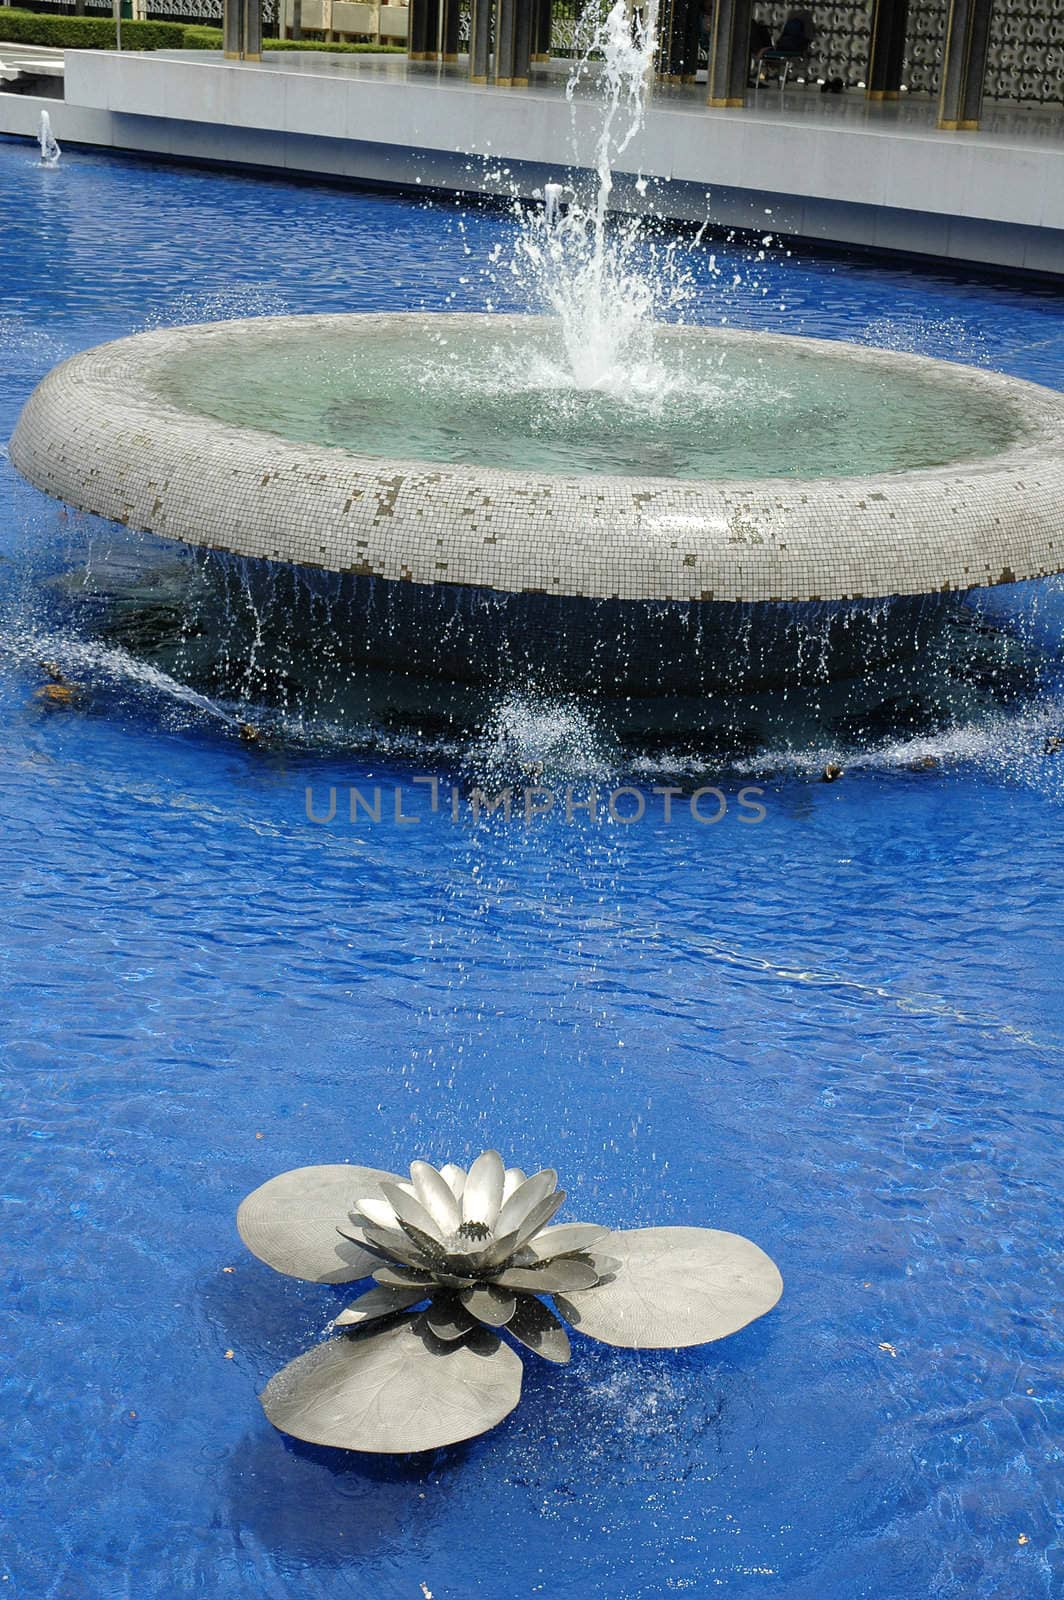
540 1215
437 1196
489 1303
482 1195
393 1273
448 1318
554 1277
431 1251
356 1236
380 1302
605 1266
454 1177
676 1287
395 1391
567 1239
290 1222
498 1251
462 1266
386 1244
408 1208
525 1198
512 1181
536 1326
377 1210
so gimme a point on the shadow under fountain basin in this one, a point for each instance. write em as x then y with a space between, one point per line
772 510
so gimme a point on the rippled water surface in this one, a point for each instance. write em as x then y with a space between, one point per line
838 1030
502 396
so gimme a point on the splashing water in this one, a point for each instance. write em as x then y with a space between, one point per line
26 646
607 280
530 738
50 151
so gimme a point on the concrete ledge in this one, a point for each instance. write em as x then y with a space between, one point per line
911 232
850 179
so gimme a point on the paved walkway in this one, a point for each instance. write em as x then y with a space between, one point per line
36 60
1004 124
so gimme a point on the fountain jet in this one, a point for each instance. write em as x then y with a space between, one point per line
50 151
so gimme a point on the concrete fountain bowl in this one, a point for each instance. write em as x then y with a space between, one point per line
396 466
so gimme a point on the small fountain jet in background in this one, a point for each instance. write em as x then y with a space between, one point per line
553 195
50 151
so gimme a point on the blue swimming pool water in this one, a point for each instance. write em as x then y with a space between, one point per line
839 1031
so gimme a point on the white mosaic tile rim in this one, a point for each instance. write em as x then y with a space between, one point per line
96 434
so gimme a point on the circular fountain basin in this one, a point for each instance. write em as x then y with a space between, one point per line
445 450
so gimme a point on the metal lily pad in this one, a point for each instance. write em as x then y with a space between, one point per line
291 1221
675 1287
479 1248
400 1390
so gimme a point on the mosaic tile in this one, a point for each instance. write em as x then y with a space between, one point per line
97 434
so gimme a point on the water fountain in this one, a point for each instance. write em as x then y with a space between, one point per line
594 498
49 145
830 1033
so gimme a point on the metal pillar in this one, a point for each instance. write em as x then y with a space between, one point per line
242 30
890 19
417 30
729 53
432 30
449 31
480 40
964 64
541 38
522 43
692 40
252 30
663 61
505 38
678 40
423 37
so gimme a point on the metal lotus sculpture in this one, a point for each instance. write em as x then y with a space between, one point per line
459 1258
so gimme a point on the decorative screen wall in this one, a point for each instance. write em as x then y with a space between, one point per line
207 11
1026 51
843 34
924 39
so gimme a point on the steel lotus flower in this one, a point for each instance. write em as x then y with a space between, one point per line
457 1258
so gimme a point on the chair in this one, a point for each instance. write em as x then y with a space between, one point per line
788 61
792 50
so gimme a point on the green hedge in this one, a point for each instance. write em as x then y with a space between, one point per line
201 37
98 33
88 33
321 44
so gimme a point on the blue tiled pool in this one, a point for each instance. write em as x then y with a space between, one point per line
839 1031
